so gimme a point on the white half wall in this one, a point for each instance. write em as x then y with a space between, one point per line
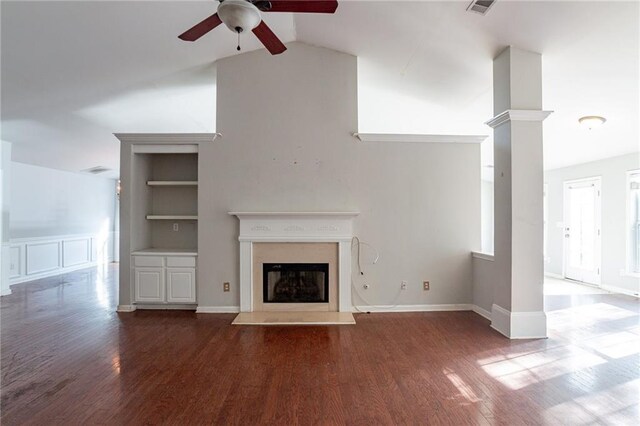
484 278
613 172
287 123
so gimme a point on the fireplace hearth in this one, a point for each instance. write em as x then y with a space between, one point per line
295 282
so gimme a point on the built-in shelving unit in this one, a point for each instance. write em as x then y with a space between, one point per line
165 220
159 220
165 199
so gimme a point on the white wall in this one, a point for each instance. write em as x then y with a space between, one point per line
47 202
613 173
287 146
5 181
59 221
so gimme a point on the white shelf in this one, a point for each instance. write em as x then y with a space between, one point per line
166 252
171 217
172 182
311 214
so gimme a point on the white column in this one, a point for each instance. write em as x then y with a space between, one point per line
5 188
518 309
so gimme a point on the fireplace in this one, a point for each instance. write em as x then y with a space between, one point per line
295 276
295 282
285 238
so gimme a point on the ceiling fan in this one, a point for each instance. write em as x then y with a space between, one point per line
243 15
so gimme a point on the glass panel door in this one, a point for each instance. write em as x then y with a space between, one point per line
582 230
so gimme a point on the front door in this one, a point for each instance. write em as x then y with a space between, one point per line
582 230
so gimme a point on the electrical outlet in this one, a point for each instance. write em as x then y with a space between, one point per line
425 285
226 287
176 227
403 285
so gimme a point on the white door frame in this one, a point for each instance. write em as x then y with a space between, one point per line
597 180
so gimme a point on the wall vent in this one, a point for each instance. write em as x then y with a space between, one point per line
97 170
480 6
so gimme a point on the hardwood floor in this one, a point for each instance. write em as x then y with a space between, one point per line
69 358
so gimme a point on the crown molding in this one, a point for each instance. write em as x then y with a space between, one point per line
517 115
161 138
415 138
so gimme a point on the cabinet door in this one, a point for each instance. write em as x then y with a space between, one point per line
181 285
149 284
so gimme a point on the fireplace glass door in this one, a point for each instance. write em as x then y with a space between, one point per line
295 282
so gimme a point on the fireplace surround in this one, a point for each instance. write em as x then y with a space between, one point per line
316 231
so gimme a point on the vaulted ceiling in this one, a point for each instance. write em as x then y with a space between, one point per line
75 72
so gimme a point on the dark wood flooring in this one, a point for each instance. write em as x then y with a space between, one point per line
69 358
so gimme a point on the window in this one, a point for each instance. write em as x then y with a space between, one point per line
633 222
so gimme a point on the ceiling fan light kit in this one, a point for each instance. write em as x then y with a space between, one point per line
244 15
239 15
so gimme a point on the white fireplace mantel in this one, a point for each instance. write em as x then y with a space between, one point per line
295 227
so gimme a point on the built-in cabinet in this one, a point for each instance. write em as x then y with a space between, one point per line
159 216
181 285
149 285
164 279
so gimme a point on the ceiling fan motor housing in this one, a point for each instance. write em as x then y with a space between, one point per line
239 15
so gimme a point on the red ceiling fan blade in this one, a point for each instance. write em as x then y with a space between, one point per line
201 29
269 39
303 6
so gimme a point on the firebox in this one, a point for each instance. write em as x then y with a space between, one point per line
295 282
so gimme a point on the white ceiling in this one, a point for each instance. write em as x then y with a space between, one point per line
73 73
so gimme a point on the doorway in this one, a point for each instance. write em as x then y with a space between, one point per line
582 210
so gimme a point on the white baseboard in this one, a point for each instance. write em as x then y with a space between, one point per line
519 325
5 292
501 320
481 311
621 290
217 309
126 308
414 308
552 275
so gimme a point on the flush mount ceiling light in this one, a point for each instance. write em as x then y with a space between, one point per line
592 121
